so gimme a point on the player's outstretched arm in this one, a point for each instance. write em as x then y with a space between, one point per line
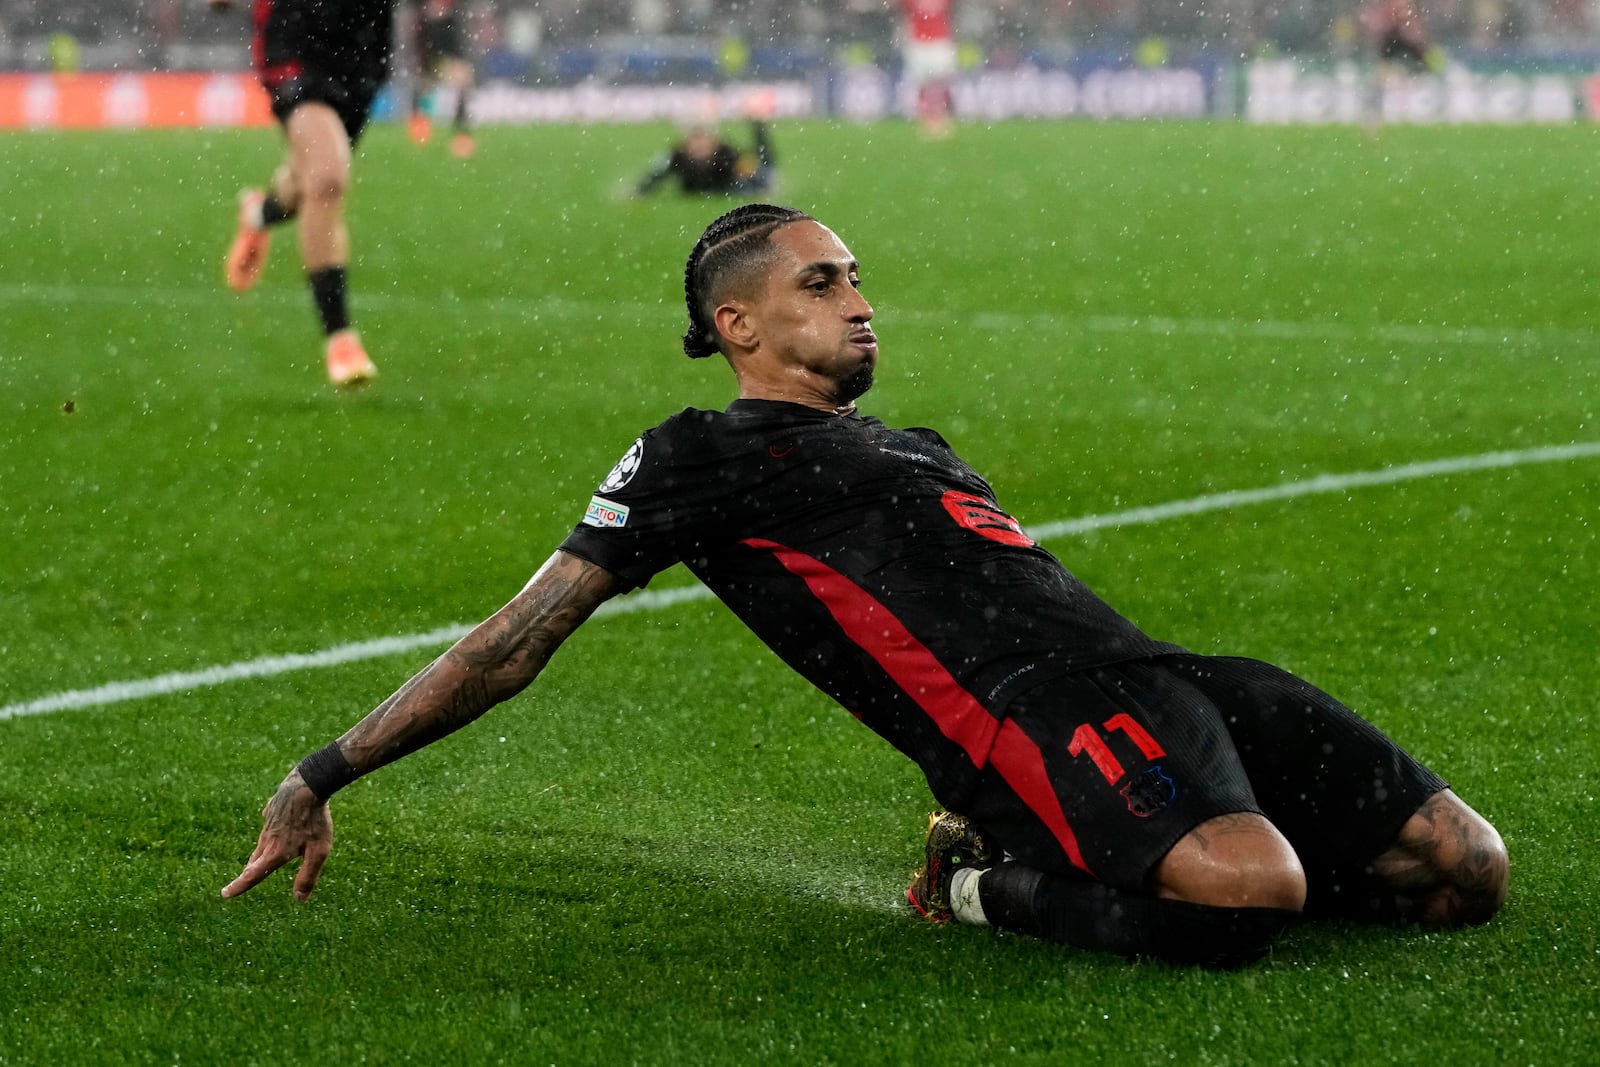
495 661
660 170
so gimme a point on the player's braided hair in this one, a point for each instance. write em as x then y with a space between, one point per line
730 244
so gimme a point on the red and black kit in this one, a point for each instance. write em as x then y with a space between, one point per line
332 51
879 565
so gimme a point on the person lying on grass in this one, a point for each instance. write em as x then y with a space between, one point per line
1103 789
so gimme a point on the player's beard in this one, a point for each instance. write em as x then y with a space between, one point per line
858 382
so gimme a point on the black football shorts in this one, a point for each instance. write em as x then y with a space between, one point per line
305 53
1139 753
439 40
350 98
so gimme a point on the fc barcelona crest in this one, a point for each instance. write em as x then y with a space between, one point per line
1149 792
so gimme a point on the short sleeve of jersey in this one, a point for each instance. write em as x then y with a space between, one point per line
651 509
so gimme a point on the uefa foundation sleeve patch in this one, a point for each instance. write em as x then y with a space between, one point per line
605 513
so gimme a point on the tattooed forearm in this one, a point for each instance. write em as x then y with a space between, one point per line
497 660
519 640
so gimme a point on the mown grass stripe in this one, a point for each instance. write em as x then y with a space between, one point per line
1416 333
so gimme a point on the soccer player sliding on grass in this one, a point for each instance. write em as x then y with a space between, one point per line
1114 792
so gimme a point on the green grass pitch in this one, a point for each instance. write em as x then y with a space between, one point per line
671 850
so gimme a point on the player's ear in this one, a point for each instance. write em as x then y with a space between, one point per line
733 322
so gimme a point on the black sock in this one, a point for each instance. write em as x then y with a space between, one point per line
1095 916
463 123
327 289
273 212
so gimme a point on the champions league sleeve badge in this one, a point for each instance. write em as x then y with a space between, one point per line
623 472
605 513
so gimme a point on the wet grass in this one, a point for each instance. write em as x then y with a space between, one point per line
672 851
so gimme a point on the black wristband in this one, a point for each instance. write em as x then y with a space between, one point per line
326 771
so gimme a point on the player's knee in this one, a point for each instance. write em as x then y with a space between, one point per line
1277 883
284 186
1234 861
325 184
1281 887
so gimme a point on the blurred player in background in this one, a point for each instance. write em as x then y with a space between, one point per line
442 63
1394 32
928 47
322 62
702 161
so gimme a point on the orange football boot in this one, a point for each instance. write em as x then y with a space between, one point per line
247 256
348 364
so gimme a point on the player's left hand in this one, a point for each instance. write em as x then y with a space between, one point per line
294 823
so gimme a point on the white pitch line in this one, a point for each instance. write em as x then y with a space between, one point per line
1284 330
650 600
1322 483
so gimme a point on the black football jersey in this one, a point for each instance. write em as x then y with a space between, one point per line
718 173
343 37
872 560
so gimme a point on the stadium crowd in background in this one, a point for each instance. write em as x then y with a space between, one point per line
129 34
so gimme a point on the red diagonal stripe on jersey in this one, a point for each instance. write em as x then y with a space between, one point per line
916 670
1021 764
